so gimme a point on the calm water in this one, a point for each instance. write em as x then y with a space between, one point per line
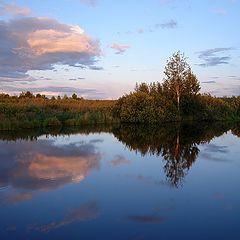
121 182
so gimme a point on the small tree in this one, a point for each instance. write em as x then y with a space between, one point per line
74 96
179 80
27 94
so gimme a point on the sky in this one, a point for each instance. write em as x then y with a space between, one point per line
100 49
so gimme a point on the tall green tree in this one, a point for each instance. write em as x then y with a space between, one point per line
179 79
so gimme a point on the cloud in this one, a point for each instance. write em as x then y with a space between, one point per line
170 24
211 57
43 166
33 43
145 219
141 30
91 3
84 212
13 9
216 149
95 68
212 157
119 48
220 11
119 160
209 82
233 90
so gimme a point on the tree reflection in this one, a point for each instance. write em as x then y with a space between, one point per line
177 144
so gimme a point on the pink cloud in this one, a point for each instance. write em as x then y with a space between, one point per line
119 160
33 43
14 10
119 48
53 41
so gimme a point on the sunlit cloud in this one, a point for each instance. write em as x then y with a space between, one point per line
119 48
54 41
12 9
46 166
33 43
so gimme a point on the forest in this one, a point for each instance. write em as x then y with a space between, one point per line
176 99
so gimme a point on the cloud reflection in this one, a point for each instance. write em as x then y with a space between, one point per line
119 160
85 212
41 165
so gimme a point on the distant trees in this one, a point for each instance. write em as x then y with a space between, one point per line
29 111
26 95
176 99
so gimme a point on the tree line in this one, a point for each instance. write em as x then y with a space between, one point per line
176 99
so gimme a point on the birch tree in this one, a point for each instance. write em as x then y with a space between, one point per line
179 79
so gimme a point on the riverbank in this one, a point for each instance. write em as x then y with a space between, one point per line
27 113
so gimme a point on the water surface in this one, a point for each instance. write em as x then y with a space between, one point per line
121 182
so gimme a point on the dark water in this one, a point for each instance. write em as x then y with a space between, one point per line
121 182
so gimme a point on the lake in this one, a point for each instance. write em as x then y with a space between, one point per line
121 182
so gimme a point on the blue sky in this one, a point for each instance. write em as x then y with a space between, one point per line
101 48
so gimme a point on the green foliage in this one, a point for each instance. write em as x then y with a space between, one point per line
24 112
176 99
179 80
52 122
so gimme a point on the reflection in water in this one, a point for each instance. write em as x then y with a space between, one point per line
41 165
177 144
146 219
85 212
129 189
119 160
